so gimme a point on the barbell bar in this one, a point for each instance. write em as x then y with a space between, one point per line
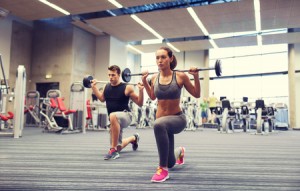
126 73
87 82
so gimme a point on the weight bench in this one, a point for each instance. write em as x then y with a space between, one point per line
228 117
263 117
67 114
245 115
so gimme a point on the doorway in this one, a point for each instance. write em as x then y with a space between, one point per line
43 88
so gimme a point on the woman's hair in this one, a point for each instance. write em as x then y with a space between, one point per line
173 64
115 68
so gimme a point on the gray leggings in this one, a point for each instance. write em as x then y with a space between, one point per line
124 119
164 130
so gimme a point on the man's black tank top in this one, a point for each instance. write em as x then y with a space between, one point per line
115 97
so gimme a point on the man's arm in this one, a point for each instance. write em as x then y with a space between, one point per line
98 94
138 99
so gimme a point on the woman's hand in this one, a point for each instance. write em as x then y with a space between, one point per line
194 71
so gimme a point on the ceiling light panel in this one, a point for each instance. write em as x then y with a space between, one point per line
172 23
122 27
23 9
227 17
80 6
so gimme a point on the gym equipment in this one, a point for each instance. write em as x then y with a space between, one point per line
67 114
281 116
19 101
147 118
228 118
17 117
126 73
48 110
87 82
78 95
265 118
245 116
96 118
32 108
191 110
219 116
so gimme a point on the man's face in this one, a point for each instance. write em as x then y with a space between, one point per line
113 77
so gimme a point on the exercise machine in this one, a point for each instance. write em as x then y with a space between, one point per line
78 98
48 110
32 109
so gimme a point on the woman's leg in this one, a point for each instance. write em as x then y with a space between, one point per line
164 130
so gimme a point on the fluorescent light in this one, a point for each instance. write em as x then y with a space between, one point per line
274 31
259 40
257 15
152 41
197 20
110 12
228 35
200 25
115 3
173 47
3 12
138 20
48 76
258 21
135 49
143 24
212 42
93 27
55 7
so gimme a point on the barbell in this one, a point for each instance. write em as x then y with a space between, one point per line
126 73
87 82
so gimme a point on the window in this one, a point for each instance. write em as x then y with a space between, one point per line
252 60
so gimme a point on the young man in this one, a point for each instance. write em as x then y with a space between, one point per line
117 95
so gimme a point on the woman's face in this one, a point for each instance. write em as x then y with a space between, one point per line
162 59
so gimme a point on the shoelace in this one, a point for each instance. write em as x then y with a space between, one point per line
111 151
159 170
181 154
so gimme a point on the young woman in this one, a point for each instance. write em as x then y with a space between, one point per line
166 87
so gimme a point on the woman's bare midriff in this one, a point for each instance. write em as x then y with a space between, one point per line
167 107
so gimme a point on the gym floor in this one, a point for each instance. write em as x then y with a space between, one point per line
214 161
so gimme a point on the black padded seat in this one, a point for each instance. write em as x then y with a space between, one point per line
218 110
244 110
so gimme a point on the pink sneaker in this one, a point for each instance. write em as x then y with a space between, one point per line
161 175
180 160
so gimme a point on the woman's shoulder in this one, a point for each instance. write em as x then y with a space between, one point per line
180 75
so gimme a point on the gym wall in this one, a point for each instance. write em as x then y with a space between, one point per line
297 85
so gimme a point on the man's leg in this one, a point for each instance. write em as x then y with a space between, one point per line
114 130
114 136
134 139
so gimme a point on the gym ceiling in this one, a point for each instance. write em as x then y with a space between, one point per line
229 23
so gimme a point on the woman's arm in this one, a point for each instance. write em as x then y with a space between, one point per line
193 89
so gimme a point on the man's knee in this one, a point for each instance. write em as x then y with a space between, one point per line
113 120
113 117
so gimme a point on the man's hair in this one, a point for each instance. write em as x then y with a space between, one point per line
115 68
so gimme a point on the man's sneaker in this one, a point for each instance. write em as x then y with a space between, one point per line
161 175
135 144
180 160
112 154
